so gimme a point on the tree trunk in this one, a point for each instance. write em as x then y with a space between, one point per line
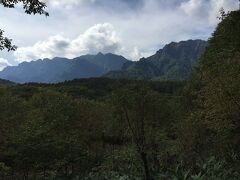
146 166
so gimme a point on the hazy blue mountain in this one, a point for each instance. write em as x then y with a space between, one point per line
174 62
61 69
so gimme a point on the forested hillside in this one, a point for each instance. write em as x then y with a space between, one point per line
215 88
110 129
174 62
5 82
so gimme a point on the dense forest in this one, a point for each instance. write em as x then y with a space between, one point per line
112 129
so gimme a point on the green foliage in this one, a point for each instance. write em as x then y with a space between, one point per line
56 132
215 169
212 169
30 7
6 43
118 164
4 170
215 88
126 129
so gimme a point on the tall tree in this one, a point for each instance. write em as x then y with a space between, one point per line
139 107
217 87
30 7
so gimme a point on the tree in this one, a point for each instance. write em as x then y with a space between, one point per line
141 110
11 118
217 89
30 7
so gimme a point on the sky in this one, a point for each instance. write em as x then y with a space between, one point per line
132 28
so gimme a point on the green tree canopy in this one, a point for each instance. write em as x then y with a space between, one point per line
216 85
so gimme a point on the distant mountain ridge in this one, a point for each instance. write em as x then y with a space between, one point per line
6 82
174 62
61 69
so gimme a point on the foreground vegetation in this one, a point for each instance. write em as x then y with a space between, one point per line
119 129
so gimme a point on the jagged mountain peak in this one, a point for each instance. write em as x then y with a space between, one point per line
60 69
173 62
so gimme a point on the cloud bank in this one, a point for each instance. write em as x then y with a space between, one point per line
207 9
134 28
3 63
99 38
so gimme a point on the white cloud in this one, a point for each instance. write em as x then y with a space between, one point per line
67 4
99 38
64 2
135 54
216 5
196 8
145 24
207 9
3 63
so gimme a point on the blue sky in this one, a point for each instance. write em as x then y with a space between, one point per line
133 28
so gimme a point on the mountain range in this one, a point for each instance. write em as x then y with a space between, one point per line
61 69
174 62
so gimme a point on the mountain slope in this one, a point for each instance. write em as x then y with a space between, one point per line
61 69
174 62
6 82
